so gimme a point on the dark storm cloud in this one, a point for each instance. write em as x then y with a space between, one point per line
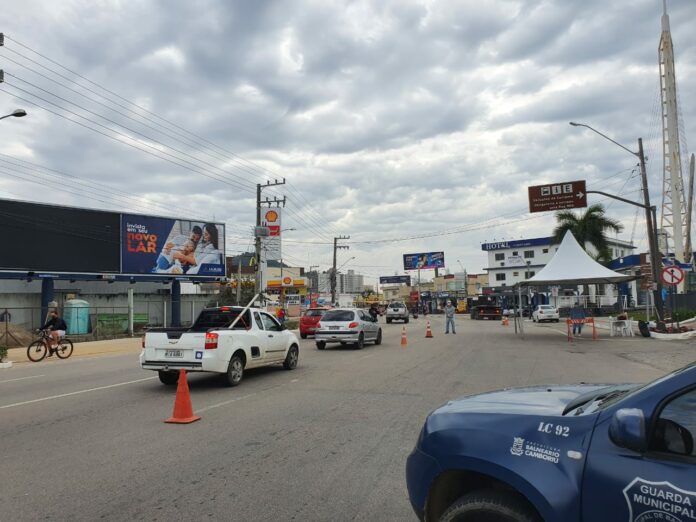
391 118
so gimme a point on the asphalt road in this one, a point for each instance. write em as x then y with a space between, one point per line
83 439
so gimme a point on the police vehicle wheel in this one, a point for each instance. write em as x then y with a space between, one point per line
378 341
303 335
291 358
361 342
491 506
168 378
405 321
388 321
235 371
321 345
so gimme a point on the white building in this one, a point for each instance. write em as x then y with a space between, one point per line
348 283
510 262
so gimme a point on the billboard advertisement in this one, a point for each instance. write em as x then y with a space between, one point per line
155 245
270 246
50 238
424 260
389 280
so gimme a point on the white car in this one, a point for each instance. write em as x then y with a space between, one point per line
347 325
397 312
220 341
545 313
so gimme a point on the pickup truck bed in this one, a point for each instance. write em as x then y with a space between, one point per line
216 343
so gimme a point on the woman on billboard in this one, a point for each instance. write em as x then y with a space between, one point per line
206 253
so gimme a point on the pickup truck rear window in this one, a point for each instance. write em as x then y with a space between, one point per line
220 319
314 313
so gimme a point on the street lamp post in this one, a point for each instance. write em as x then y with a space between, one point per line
335 274
650 219
17 113
282 288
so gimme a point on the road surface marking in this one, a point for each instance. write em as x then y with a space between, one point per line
224 403
22 378
74 393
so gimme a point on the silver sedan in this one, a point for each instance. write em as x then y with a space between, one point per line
347 325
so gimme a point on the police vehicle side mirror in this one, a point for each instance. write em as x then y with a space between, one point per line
627 429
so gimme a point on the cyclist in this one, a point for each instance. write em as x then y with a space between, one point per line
57 326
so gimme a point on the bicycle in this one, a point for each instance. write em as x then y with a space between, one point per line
38 349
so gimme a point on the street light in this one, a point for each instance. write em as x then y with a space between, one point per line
650 217
282 289
17 113
344 264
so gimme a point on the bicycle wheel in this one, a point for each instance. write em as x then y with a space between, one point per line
64 349
36 351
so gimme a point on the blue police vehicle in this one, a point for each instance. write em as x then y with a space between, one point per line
590 453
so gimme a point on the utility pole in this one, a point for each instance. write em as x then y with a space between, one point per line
239 279
257 230
333 270
651 221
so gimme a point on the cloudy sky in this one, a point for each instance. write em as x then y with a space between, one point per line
390 120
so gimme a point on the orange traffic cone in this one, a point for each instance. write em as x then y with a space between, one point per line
428 331
404 341
183 411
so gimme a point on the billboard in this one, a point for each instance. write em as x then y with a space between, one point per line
155 245
388 280
270 246
49 238
424 260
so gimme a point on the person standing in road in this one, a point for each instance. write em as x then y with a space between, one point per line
577 313
449 317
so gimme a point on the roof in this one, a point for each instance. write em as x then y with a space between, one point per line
572 265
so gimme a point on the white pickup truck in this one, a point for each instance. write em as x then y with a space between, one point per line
220 342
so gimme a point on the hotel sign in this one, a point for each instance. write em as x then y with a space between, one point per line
557 196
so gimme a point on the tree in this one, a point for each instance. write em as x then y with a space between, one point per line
589 227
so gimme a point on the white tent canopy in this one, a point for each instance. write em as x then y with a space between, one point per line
572 265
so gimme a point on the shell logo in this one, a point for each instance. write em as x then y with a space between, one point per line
271 216
287 280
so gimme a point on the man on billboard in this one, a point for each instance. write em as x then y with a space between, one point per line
206 253
177 249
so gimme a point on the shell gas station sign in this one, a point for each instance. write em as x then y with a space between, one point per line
287 282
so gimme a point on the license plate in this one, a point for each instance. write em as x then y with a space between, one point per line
173 353
334 327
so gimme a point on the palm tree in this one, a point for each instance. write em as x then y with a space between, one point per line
588 228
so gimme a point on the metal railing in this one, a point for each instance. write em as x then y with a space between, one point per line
92 323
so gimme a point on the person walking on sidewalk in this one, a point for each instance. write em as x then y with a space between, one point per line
577 313
449 317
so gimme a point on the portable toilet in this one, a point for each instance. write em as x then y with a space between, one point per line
76 315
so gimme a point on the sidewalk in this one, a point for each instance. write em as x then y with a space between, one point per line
86 349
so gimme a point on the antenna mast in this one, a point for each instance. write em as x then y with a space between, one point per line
673 198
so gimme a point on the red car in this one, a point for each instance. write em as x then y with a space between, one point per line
309 321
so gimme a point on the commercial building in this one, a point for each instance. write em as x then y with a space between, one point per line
510 262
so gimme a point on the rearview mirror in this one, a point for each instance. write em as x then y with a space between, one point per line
627 429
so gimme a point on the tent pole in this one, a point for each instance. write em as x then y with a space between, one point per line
519 296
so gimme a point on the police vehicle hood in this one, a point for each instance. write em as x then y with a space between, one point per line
532 400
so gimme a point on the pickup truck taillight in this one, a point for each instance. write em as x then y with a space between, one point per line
319 325
353 325
211 341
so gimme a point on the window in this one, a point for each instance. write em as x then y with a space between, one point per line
675 429
500 277
544 250
528 254
515 274
348 315
270 323
258 320
527 275
515 253
499 257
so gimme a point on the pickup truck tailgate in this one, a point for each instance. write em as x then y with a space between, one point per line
179 350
